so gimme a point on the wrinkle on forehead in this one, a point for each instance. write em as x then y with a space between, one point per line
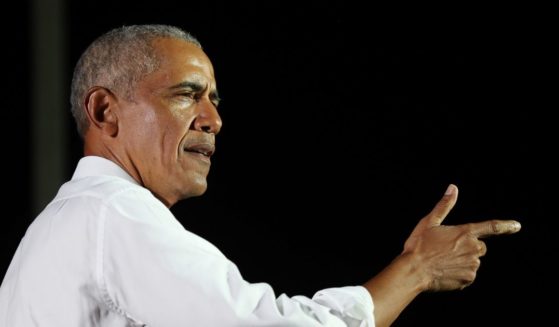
203 64
170 50
181 61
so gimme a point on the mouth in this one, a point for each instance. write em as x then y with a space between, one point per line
206 150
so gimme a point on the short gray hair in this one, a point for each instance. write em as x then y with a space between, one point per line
117 60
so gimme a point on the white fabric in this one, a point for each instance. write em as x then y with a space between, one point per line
105 252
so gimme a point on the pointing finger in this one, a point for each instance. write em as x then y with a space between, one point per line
494 227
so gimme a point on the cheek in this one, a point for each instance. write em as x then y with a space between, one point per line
149 117
176 125
150 130
140 123
181 114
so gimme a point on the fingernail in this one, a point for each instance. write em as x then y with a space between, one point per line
449 190
516 225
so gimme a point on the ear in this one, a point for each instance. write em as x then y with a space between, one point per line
100 107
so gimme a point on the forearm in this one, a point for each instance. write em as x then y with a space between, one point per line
394 288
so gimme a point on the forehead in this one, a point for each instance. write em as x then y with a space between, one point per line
180 61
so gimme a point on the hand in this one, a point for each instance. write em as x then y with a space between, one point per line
448 256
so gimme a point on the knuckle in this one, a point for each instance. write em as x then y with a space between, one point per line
471 276
473 242
482 249
470 230
467 230
476 264
445 200
495 226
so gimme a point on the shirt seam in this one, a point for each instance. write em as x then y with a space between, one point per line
126 188
103 287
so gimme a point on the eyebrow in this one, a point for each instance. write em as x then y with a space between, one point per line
196 87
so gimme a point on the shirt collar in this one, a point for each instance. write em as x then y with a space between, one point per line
98 166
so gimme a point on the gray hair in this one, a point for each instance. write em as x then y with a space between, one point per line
117 60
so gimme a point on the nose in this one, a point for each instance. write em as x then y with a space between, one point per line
208 119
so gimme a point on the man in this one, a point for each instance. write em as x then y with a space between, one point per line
108 252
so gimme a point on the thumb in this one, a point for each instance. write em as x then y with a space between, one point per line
443 207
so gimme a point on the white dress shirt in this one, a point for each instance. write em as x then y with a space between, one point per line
106 252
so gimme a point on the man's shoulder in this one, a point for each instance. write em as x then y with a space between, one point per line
102 189
98 196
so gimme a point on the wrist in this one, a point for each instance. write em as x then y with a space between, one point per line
412 267
396 286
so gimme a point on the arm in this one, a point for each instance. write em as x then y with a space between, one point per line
154 272
435 258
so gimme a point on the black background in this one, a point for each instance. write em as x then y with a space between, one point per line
343 125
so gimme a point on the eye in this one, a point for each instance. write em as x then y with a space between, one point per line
189 95
187 98
215 100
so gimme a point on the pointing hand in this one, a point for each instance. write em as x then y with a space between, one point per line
448 256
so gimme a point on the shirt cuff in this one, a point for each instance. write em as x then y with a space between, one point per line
353 304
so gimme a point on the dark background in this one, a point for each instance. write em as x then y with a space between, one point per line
343 125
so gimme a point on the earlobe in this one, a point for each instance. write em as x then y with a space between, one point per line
101 105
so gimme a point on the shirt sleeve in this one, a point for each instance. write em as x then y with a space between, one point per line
155 273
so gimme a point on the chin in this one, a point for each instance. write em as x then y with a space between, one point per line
195 190
191 185
199 192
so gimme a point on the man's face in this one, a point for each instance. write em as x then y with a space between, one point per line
170 124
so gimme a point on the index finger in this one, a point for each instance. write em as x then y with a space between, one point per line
494 227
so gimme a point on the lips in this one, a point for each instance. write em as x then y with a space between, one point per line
205 149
